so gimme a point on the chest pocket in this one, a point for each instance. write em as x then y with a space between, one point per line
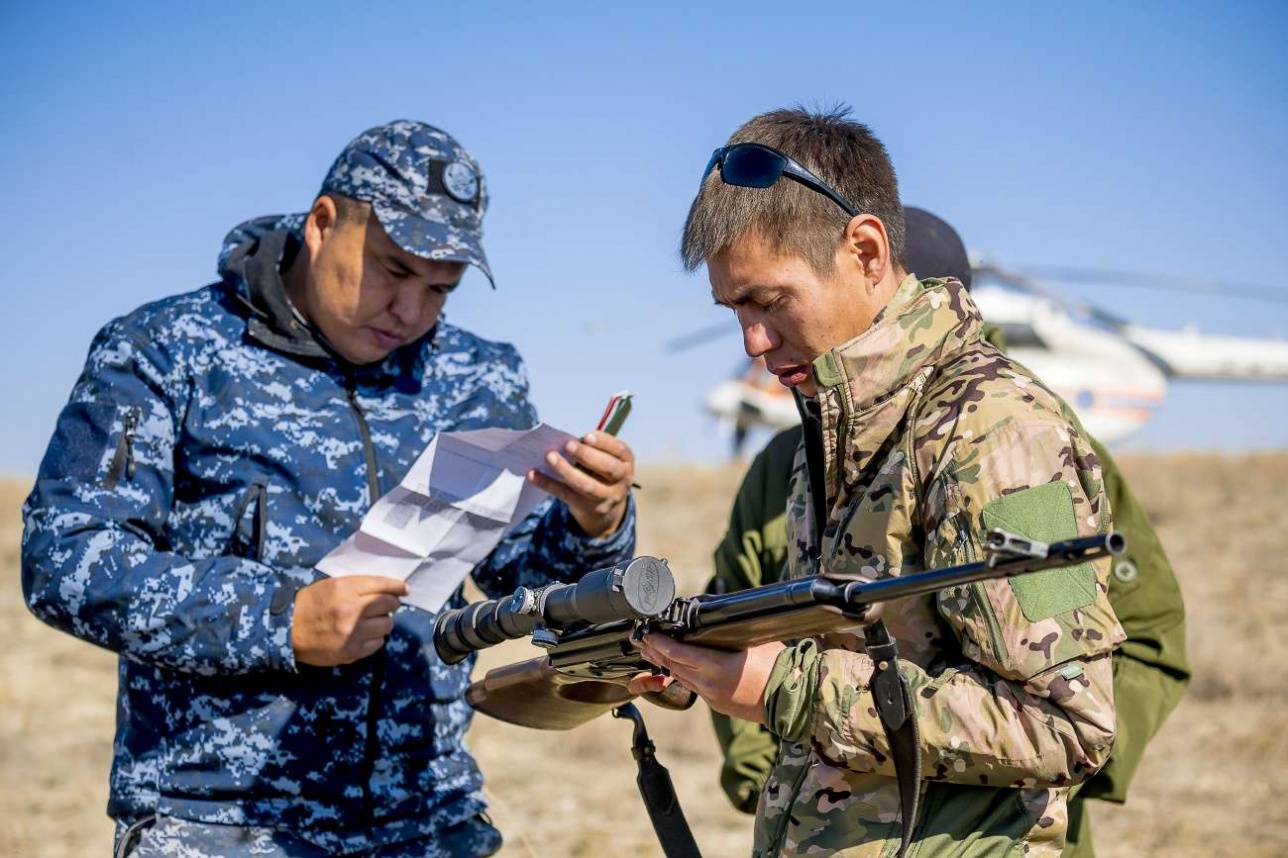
250 523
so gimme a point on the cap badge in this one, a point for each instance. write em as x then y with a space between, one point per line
460 181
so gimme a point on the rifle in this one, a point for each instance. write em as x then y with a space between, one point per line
589 631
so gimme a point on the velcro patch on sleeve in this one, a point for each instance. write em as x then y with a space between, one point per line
1045 514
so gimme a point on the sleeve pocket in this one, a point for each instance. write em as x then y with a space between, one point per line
92 443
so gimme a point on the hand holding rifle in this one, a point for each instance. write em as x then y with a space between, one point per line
732 683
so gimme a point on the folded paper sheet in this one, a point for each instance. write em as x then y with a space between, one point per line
463 494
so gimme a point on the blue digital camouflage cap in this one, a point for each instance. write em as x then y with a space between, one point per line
426 190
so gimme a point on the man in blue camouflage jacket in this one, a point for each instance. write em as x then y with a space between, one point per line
218 444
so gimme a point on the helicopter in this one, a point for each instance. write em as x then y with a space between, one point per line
1113 372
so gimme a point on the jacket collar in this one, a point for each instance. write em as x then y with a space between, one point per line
924 322
866 386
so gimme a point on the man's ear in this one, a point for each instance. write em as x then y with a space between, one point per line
320 223
866 248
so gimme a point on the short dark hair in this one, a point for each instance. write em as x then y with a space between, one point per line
348 209
791 217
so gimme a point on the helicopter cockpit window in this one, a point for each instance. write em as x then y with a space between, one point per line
1019 335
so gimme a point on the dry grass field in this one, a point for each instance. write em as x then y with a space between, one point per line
1213 784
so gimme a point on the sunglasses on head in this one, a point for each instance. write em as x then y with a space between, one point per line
755 165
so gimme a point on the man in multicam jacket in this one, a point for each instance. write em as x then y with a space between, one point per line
217 445
1151 670
918 437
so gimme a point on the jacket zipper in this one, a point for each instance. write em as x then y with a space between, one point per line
378 659
123 459
814 460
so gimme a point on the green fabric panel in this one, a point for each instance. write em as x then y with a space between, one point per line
1044 513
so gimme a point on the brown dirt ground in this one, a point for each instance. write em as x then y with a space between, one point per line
1212 784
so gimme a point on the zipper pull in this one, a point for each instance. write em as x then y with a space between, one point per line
123 458
131 423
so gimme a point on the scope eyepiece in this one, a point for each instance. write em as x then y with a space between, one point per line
643 587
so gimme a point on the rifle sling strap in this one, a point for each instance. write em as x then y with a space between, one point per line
658 792
898 715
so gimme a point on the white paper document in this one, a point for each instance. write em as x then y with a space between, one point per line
458 500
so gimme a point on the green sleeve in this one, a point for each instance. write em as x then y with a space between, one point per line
753 552
1150 668
754 547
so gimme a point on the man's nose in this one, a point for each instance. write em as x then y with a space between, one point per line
409 304
756 339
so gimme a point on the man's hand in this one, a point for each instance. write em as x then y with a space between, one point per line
732 683
596 492
340 620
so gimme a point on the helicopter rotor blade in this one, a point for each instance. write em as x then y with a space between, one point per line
1144 280
699 337
1026 283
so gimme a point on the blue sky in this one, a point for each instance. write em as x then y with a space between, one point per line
1142 138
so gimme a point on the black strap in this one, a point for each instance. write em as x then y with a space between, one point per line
894 705
658 792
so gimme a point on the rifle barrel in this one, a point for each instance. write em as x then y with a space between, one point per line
1066 553
459 632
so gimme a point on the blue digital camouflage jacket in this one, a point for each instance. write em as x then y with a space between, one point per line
211 453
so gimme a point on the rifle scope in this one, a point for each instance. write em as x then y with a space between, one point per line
641 588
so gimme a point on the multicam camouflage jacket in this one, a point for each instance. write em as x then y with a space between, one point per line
1151 668
921 438
211 454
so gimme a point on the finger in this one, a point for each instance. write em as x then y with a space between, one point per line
674 652
648 682
579 481
610 468
375 627
610 444
689 681
379 584
554 487
674 696
380 605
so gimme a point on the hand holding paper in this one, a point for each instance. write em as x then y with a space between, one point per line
469 488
